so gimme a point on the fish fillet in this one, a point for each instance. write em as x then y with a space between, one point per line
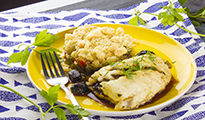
110 83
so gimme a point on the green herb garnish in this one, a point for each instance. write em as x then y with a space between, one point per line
171 15
113 64
151 68
51 97
166 62
129 70
151 57
129 73
43 39
173 62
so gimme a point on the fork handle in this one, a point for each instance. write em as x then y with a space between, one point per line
73 99
70 95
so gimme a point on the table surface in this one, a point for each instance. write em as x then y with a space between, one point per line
67 5
194 5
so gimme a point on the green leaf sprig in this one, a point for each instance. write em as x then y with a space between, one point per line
182 2
51 97
137 18
196 18
43 39
171 15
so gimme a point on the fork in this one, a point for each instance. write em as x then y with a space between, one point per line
56 79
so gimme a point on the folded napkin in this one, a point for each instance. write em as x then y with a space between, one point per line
17 28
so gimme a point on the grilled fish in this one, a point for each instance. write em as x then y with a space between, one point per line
131 82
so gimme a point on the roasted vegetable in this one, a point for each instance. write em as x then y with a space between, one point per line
74 76
68 59
145 52
79 88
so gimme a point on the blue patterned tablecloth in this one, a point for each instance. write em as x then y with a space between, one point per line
17 28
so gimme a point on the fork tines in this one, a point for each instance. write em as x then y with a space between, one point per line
51 63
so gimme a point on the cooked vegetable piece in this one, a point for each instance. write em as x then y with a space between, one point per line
144 52
74 76
89 70
69 60
77 67
79 88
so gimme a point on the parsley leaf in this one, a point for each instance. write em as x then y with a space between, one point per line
195 22
171 15
25 56
15 57
136 19
19 56
45 40
52 95
42 40
133 21
201 11
182 2
60 113
76 110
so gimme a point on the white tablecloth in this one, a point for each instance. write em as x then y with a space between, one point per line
17 28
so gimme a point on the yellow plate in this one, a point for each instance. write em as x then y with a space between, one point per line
183 70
